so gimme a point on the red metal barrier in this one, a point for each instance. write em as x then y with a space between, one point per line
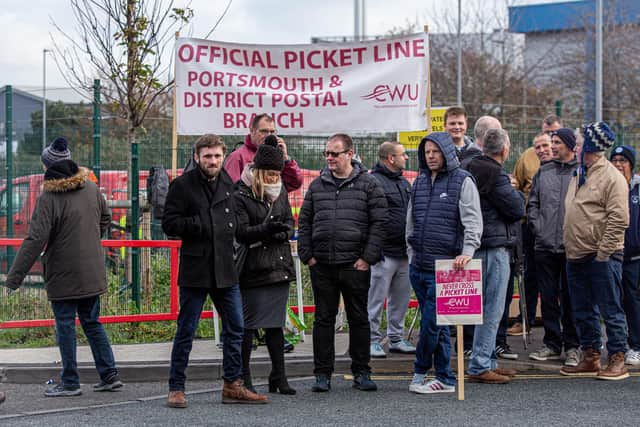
173 245
174 305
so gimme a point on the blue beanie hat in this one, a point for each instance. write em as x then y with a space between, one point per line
58 150
597 137
567 136
625 151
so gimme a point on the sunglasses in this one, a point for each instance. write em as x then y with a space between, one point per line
334 153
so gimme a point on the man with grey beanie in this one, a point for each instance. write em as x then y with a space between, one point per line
56 151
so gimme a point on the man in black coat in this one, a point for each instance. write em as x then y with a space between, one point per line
341 230
390 277
199 210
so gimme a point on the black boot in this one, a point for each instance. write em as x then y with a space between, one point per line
277 378
247 342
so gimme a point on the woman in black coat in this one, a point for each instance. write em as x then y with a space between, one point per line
265 225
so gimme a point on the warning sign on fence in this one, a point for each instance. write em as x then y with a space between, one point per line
458 293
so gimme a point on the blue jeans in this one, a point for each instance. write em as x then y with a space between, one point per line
631 300
229 306
495 277
434 346
88 310
595 289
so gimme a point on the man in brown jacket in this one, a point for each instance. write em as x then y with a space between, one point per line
67 222
596 216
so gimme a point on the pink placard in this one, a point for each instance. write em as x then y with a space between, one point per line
458 293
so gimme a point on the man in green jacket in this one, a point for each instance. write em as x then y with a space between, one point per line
67 222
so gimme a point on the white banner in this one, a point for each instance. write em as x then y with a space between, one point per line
374 86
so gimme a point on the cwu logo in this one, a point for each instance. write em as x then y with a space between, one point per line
393 93
457 302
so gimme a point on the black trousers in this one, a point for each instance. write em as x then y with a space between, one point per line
328 282
551 272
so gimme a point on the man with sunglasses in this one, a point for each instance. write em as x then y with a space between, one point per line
262 125
390 277
341 231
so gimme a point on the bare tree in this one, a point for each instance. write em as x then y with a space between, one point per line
124 43
496 78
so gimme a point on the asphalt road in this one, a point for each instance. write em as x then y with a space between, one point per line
535 400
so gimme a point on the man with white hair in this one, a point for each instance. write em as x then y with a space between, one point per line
502 208
482 125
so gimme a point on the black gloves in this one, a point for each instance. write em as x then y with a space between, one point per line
277 227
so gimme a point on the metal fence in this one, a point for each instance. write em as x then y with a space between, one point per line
29 307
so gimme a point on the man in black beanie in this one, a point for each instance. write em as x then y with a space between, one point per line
545 217
68 220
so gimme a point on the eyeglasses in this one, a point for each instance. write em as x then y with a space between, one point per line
619 160
334 153
267 131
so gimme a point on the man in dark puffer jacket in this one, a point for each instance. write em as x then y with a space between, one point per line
390 277
340 234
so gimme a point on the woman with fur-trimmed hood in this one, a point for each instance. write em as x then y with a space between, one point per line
69 217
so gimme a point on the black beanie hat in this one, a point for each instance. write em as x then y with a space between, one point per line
58 150
269 156
567 136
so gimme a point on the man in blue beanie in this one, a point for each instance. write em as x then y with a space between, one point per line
596 217
623 158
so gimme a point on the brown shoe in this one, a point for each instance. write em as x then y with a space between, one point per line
236 392
176 399
515 330
489 377
506 372
589 366
615 370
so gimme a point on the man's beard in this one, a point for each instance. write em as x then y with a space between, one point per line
207 172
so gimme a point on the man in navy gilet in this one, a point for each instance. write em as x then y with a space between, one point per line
444 221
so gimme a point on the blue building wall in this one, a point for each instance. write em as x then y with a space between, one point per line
574 16
23 105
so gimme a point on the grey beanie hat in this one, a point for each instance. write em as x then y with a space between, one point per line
58 150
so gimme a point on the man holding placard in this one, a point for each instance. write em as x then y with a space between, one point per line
444 220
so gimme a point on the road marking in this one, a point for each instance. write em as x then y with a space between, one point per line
517 377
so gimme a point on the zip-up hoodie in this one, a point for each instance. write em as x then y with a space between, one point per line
444 218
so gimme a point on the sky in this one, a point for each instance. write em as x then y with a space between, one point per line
27 25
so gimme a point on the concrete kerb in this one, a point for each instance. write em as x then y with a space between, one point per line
206 363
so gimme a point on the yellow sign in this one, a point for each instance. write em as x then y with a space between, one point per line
411 139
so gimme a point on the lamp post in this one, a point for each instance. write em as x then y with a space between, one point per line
44 97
